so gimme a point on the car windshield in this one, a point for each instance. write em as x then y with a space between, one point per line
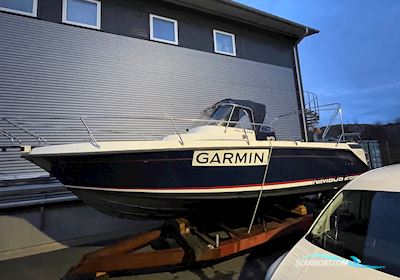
362 224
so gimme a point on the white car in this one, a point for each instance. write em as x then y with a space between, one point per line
356 236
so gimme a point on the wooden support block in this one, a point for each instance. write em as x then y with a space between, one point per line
101 276
300 210
184 226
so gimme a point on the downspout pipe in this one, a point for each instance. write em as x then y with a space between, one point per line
300 83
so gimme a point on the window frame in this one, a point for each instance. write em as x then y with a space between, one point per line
174 21
98 16
33 14
233 37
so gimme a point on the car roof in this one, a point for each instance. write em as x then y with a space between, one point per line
385 179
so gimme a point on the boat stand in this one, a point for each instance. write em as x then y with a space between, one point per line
178 243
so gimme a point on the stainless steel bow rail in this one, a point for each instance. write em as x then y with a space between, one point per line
17 125
15 141
14 138
20 126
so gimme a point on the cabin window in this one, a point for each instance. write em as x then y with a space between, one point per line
224 43
215 115
243 119
23 7
163 30
86 13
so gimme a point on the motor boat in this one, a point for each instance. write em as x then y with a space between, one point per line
224 162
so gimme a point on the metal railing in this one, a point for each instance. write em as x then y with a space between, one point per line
314 109
22 124
13 138
337 113
311 102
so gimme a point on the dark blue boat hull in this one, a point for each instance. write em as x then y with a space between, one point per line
166 184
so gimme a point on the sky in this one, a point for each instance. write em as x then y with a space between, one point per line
355 59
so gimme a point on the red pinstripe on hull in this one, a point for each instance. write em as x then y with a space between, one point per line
254 185
223 187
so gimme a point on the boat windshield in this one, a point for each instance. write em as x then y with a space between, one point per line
362 226
215 115
222 115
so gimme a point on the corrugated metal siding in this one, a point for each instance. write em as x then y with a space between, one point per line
53 69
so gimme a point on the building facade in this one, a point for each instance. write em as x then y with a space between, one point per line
90 58
63 59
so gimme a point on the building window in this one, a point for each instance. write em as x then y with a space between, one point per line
224 43
86 13
163 29
23 7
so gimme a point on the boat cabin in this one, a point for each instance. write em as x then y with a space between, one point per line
230 119
243 114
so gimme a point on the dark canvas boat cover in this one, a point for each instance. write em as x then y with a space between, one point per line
258 109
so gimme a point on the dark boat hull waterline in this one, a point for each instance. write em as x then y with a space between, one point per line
194 182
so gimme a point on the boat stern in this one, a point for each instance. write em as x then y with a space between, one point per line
358 150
